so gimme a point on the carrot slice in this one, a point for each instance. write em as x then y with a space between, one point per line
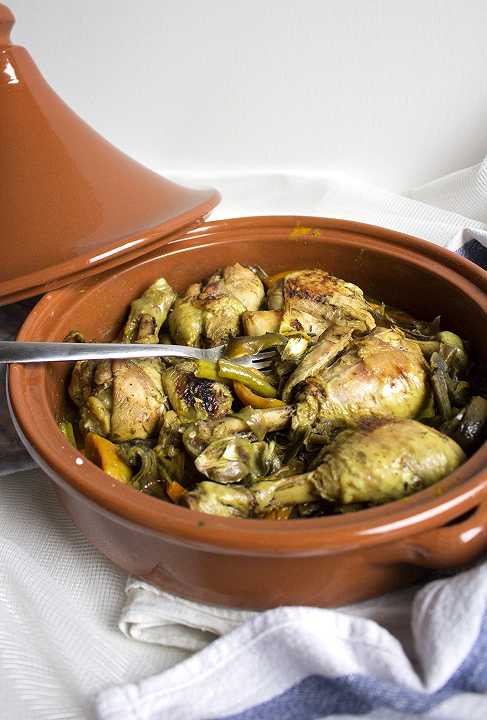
104 454
247 397
175 491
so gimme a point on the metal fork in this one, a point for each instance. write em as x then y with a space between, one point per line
12 351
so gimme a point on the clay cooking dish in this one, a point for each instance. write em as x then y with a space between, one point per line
256 563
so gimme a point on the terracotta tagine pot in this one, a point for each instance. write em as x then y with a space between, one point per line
324 561
71 204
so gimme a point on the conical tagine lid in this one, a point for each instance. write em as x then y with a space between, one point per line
71 204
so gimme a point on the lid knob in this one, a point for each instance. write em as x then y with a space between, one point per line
7 21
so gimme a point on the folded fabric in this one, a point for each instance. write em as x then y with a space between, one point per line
471 245
464 191
155 616
435 212
303 663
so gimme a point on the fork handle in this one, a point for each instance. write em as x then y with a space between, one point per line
27 352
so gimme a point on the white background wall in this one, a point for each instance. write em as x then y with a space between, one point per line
391 91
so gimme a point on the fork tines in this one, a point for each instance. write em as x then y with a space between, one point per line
263 360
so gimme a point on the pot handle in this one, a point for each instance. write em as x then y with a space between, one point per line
451 545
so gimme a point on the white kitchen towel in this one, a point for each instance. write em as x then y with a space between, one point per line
155 616
60 600
340 196
305 663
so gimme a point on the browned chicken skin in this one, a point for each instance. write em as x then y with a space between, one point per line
209 314
124 399
382 374
376 462
312 300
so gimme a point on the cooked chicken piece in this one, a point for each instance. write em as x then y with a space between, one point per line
331 343
148 313
383 460
124 399
312 300
186 319
221 318
242 283
90 388
138 399
382 374
379 461
209 314
119 399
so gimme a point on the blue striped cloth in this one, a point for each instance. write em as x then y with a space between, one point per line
306 663
472 247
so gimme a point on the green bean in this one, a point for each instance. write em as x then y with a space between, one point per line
206 369
440 382
250 377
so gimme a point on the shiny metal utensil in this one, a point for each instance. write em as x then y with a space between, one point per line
12 351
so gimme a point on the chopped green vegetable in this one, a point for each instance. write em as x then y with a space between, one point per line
247 345
250 377
206 369
143 462
472 427
223 500
233 459
67 429
449 338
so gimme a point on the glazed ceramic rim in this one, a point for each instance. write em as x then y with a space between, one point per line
112 261
448 499
119 252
